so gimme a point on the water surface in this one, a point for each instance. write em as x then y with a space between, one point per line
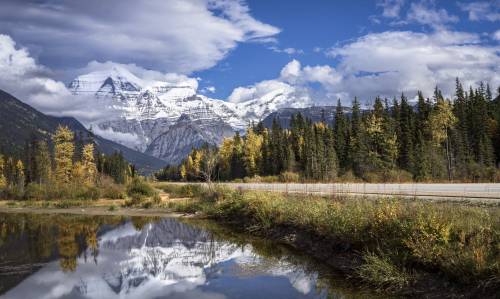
72 256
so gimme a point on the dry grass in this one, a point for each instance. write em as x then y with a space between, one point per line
462 242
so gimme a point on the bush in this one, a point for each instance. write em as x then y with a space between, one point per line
380 272
111 190
289 177
271 179
35 192
140 188
453 239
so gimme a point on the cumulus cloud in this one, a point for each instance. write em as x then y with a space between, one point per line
179 36
387 64
30 82
482 10
390 62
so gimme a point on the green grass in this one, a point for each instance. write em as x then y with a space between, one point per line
461 242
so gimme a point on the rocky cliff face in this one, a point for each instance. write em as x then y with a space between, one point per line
167 119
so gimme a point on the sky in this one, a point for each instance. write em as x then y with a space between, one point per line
239 49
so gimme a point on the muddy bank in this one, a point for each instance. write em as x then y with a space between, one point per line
94 211
344 259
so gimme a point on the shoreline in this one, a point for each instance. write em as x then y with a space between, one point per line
95 211
342 257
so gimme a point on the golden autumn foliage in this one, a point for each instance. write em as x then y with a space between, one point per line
63 154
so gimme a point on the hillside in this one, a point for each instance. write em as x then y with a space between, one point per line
19 122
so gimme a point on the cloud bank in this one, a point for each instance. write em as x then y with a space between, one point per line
178 36
387 64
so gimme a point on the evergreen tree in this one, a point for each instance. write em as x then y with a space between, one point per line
237 163
341 131
43 162
405 140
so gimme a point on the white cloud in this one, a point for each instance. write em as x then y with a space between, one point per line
289 51
391 8
391 62
426 13
258 90
482 10
178 36
128 139
208 89
387 64
291 71
30 82
142 73
496 35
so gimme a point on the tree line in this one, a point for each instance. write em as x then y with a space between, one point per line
67 164
434 139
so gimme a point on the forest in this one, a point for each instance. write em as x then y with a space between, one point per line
428 140
68 167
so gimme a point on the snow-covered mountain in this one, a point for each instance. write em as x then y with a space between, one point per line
162 259
166 119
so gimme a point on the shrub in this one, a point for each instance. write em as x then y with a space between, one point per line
289 177
380 272
138 187
156 199
35 192
111 190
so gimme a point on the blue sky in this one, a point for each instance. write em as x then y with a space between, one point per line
308 25
323 50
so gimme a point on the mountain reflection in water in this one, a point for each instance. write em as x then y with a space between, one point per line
55 256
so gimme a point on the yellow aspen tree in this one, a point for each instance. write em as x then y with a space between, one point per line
183 172
225 154
189 165
252 152
20 178
78 173
63 154
197 157
88 163
3 180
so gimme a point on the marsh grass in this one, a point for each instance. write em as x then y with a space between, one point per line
462 242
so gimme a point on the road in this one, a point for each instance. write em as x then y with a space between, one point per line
486 192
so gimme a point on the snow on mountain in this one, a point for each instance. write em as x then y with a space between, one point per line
150 112
161 259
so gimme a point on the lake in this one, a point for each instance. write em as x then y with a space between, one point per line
75 256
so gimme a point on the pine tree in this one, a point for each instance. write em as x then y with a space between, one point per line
237 164
63 154
341 131
43 162
405 140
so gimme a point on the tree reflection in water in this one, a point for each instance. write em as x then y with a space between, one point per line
119 257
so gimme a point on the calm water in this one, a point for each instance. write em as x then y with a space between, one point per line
62 256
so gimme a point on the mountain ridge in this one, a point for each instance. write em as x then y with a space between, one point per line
19 122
